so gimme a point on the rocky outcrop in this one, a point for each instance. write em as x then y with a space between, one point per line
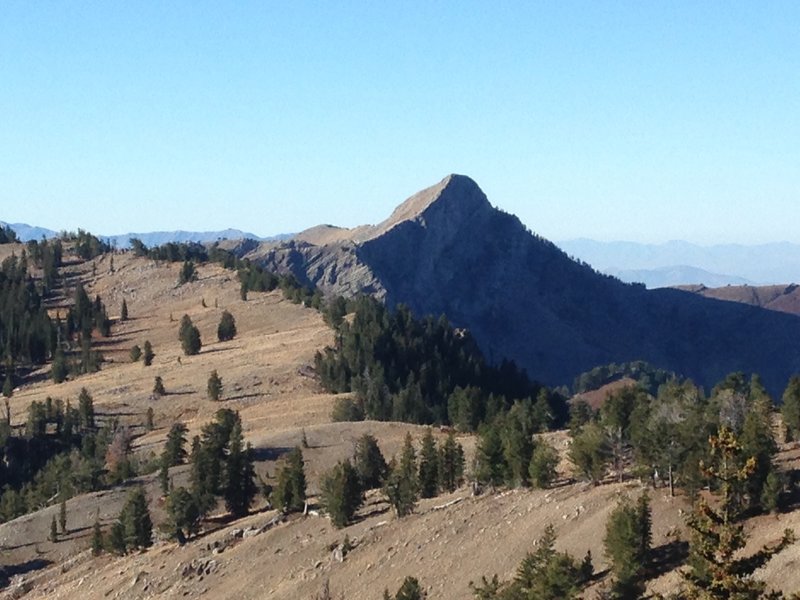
446 250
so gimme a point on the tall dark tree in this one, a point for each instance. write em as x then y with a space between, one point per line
226 330
627 545
790 409
135 519
369 462
85 411
148 355
239 485
158 387
490 462
174 448
214 387
451 464
542 469
184 514
341 493
402 486
187 273
290 491
590 452
428 466
189 336
123 312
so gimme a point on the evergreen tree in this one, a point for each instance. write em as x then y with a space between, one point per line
53 537
59 369
116 538
627 545
369 462
451 464
163 476
341 493
136 522
544 461
410 590
490 467
226 330
136 353
184 514
148 353
517 450
290 491
158 387
205 467
239 486
717 569
771 492
62 513
85 411
790 408
402 485
123 313
97 537
189 337
590 452
214 387
187 273
428 466
174 451
8 386
757 442
149 425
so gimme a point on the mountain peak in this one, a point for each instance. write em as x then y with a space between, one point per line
455 195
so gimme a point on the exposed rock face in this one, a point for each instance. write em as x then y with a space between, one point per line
447 250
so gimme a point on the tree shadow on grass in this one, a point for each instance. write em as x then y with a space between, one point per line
668 557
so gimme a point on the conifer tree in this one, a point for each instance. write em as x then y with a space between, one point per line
627 545
149 425
544 461
428 466
123 313
158 387
239 486
189 337
53 537
136 353
590 452
490 466
451 464
85 411
59 369
718 571
341 493
62 513
204 467
184 514
214 388
97 536
790 409
8 386
226 330
369 462
136 522
290 491
116 538
402 485
148 355
174 451
517 451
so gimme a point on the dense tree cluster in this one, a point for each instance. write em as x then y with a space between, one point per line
420 371
646 375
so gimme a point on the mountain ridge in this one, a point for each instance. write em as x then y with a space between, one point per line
524 299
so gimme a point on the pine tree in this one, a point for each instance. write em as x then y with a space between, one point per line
491 466
290 491
717 569
226 330
239 486
123 313
590 452
149 425
85 411
163 476
8 386
189 337
136 353
136 522
627 545
174 451
53 537
341 493
62 513
369 462
410 590
158 387
402 486
544 461
214 387
149 355
428 466
451 464
790 408
187 273
97 537
116 538
184 514
59 369
204 465
517 451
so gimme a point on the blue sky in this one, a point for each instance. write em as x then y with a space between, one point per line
645 121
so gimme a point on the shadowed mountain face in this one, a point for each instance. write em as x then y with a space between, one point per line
447 250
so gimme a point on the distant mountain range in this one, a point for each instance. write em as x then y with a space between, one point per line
27 232
683 263
447 251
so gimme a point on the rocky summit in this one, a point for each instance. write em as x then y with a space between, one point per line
447 250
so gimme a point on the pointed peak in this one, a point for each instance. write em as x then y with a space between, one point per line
459 192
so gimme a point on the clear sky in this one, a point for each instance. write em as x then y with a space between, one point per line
637 120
